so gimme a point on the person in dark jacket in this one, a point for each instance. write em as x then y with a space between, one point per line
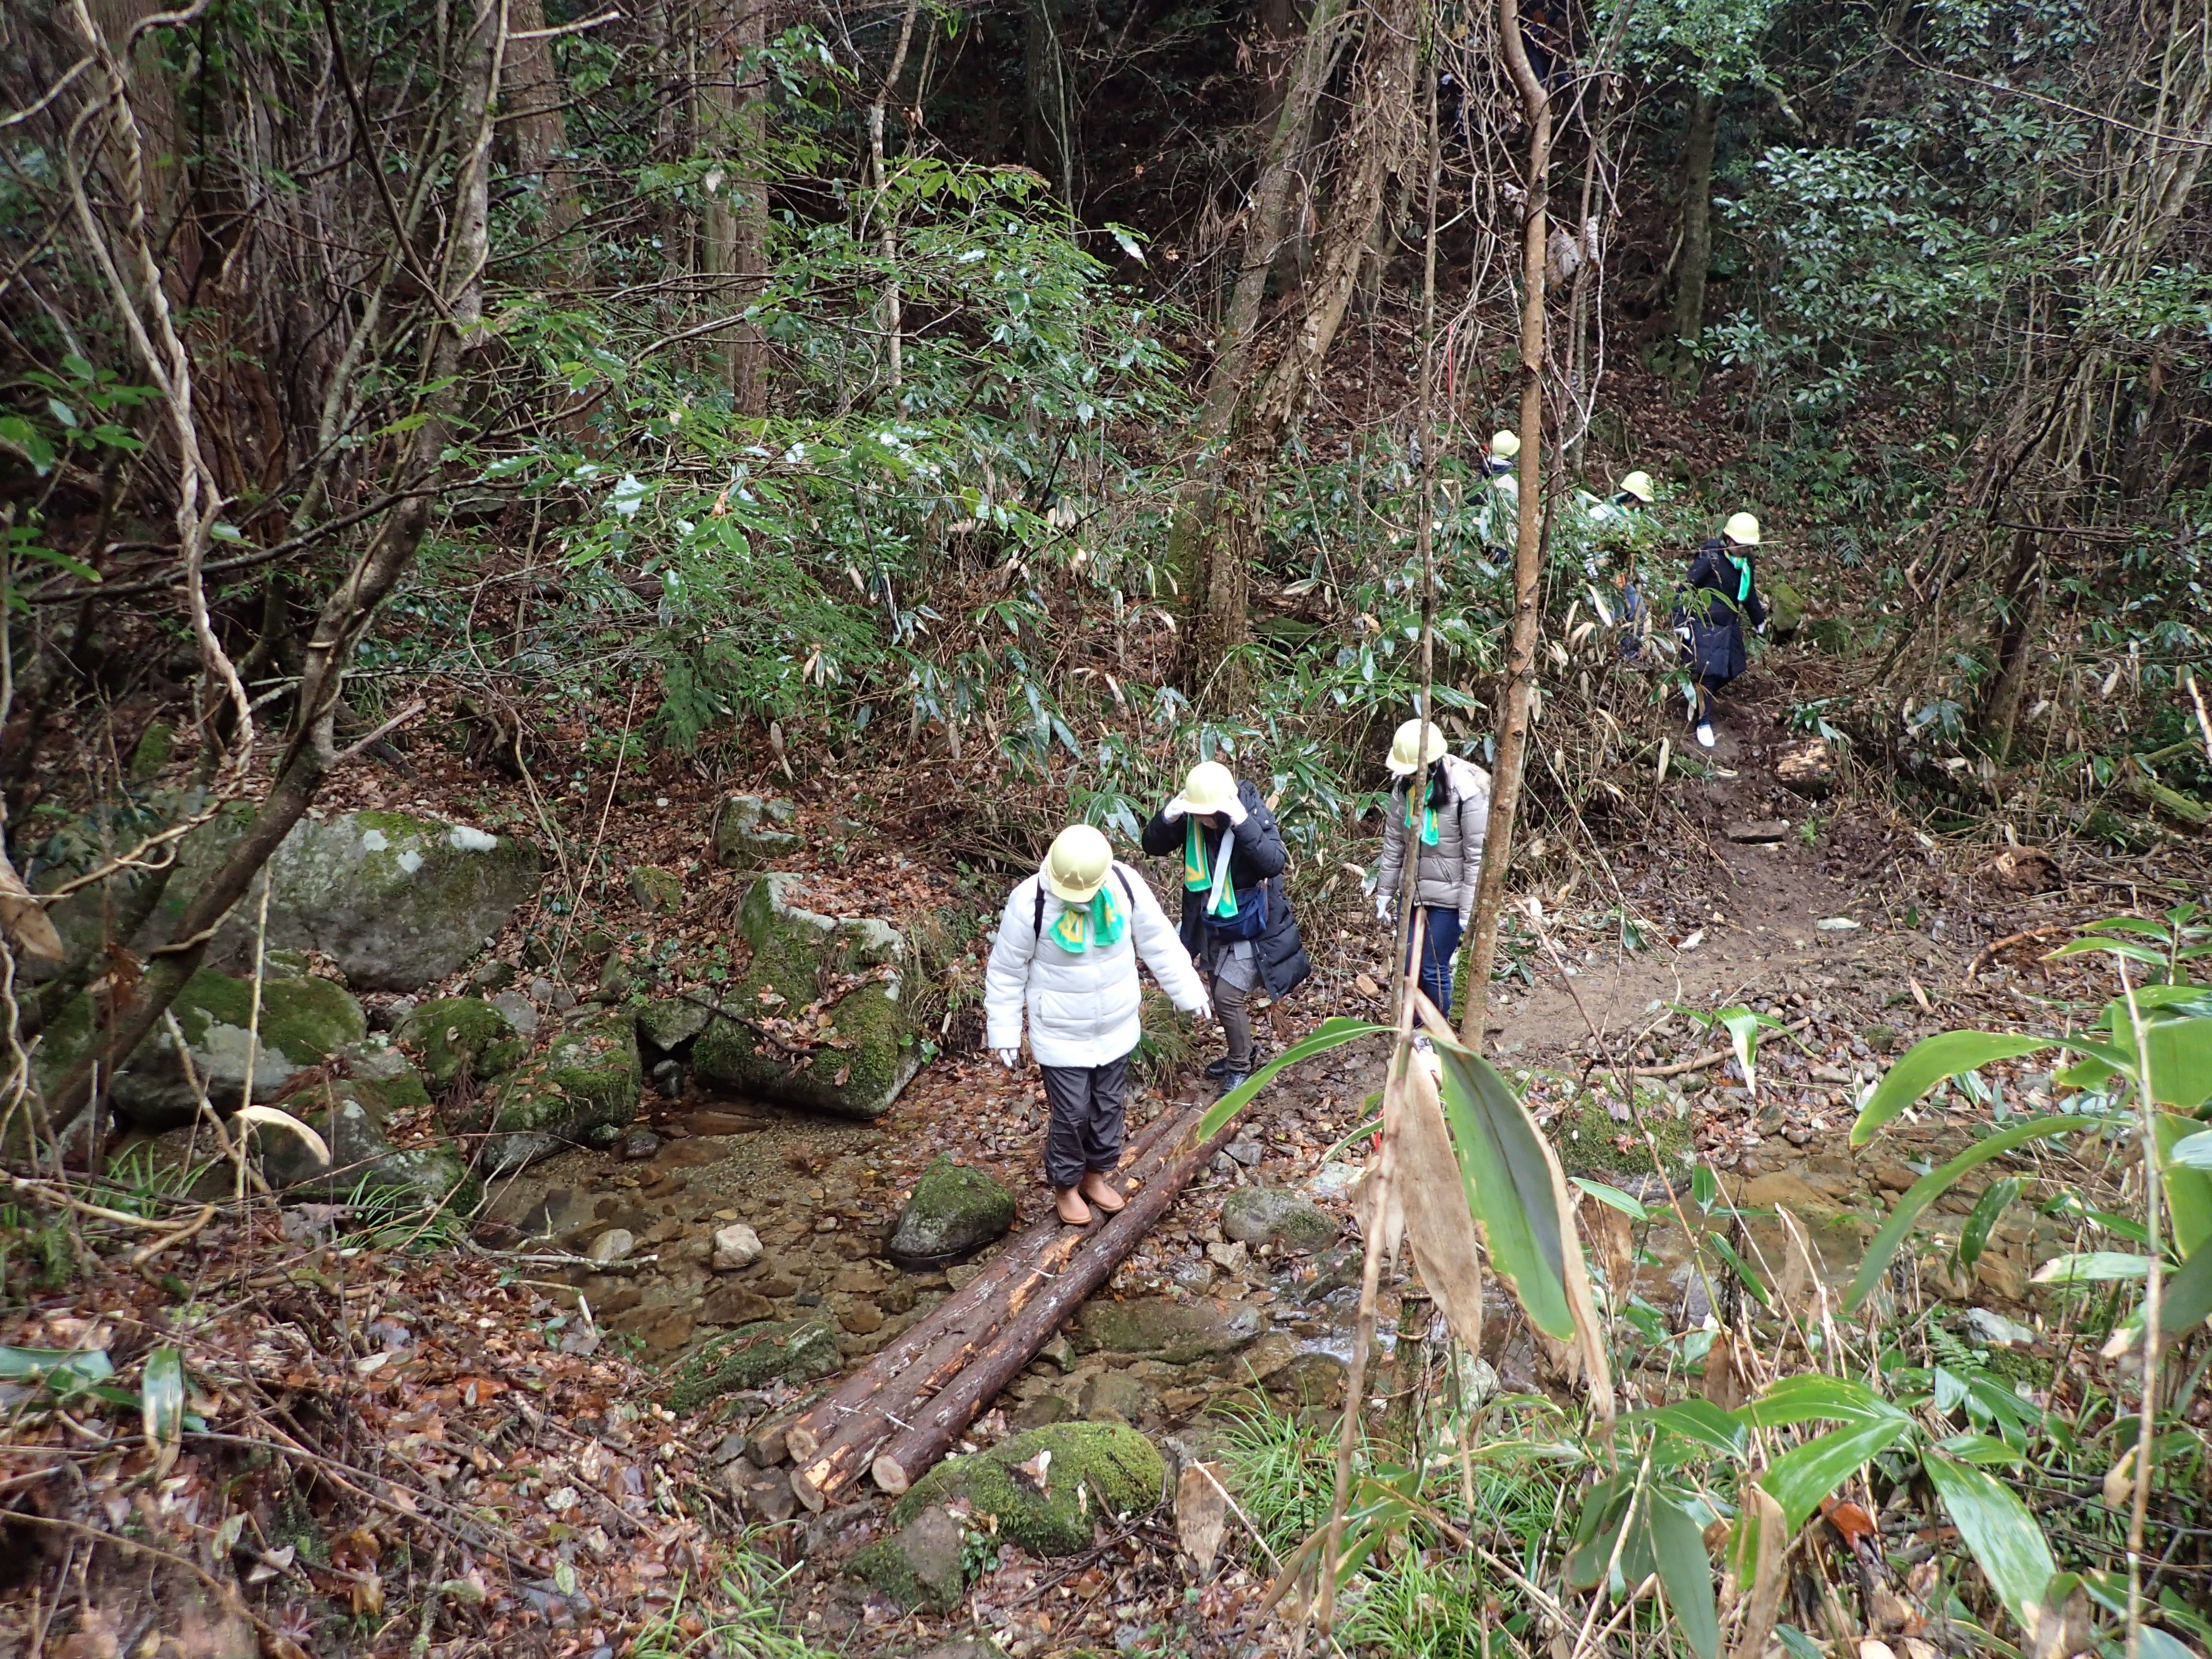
1237 920
1721 591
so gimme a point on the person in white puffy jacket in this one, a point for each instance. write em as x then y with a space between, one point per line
1067 956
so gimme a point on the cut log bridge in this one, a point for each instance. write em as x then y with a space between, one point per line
932 1433
993 1326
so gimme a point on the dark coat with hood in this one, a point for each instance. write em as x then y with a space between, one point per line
1256 858
1722 591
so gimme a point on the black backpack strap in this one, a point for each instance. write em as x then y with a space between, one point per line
1036 926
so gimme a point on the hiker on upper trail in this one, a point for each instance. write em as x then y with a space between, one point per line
1720 592
1236 917
1067 954
1449 833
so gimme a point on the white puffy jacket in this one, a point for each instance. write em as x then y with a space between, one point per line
1082 1005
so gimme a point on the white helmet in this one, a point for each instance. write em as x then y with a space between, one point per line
1505 445
1076 867
1742 530
1409 751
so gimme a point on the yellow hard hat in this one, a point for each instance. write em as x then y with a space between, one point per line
1407 755
1742 530
1505 445
1638 484
1210 787
1076 865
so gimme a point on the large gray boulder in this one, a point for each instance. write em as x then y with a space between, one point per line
1265 1215
304 1022
858 1063
750 831
397 900
351 1116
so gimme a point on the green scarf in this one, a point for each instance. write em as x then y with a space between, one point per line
1102 921
1202 870
1428 819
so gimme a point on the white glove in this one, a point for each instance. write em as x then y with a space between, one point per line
1762 630
1381 905
1009 1058
1234 812
1205 1009
1173 810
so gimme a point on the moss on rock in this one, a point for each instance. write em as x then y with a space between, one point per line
1591 1141
1098 1472
303 1022
351 1116
1176 1333
857 1066
789 1350
453 1034
955 1210
582 1089
923 1565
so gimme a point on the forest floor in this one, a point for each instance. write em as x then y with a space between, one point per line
430 1392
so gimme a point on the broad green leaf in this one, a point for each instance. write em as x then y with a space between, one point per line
1743 1036
2150 955
1932 1185
1999 1530
1697 1420
2157 1644
1613 1197
1678 1544
1597 1529
1800 1477
1752 1281
65 1371
2188 1186
1982 1448
2092 1267
1927 1063
1974 1236
1331 1033
1510 1187
1810 1397
2178 1043
2185 1297
161 1404
2191 1152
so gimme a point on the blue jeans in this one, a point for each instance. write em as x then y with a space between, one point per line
1439 944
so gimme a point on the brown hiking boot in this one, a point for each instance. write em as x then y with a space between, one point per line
1073 1210
1096 1189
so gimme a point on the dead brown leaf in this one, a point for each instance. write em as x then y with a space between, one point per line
1201 1512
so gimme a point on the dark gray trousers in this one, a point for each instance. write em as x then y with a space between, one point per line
1084 1130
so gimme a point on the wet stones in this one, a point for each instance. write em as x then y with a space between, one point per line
1176 1333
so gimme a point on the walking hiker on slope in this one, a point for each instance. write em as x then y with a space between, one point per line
1448 833
1066 955
1236 918
1722 593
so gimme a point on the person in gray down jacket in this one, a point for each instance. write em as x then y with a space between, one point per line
1449 831
1066 957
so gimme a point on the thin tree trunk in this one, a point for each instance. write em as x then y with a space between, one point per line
732 123
1696 260
1047 144
1528 550
887 221
539 132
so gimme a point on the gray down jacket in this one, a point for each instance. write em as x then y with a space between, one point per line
1447 871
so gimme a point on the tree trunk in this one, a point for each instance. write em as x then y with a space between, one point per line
1528 549
1696 260
733 125
1047 144
893 317
539 132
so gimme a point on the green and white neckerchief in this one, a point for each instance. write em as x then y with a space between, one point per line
1102 921
1204 869
1428 819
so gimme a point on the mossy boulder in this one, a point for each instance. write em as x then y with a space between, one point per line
955 1210
353 1117
654 889
668 1023
922 1565
581 1091
1591 1141
855 1065
1176 1333
1263 1215
459 1037
304 1022
750 830
397 901
787 1350
1099 1472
